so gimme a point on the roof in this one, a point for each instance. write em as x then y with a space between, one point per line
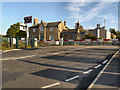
44 23
53 24
66 27
69 31
33 26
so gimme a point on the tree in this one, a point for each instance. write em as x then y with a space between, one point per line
112 30
21 34
118 34
89 36
15 31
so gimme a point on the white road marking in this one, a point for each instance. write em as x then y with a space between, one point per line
11 50
87 71
51 85
14 58
98 66
55 53
98 76
72 78
105 61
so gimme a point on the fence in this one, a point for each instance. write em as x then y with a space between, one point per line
38 43
91 42
10 43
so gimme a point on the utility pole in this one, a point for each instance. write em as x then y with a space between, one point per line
104 22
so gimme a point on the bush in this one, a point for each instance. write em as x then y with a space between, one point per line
21 45
5 45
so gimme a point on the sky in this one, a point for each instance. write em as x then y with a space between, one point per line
89 14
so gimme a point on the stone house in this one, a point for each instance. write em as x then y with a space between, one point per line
101 32
46 31
53 30
72 33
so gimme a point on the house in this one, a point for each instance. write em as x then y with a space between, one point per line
101 32
72 33
46 31
54 30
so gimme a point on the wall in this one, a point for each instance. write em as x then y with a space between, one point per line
53 33
108 34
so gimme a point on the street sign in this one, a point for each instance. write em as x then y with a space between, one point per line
28 19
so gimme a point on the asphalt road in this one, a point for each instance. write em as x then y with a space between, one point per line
54 67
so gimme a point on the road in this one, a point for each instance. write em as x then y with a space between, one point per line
55 67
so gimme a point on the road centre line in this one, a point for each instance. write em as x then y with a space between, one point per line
72 78
102 71
98 66
87 71
51 85
105 61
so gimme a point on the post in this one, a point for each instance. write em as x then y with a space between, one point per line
33 42
61 41
26 39
10 42
17 42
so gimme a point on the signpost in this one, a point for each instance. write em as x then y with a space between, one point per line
27 20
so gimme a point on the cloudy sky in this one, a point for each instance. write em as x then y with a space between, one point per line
88 13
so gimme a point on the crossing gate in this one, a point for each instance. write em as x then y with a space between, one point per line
82 42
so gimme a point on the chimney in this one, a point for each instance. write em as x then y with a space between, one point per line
77 25
103 27
35 21
65 23
98 25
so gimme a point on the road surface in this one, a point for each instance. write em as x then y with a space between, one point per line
55 67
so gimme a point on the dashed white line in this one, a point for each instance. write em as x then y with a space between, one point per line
87 71
98 76
105 61
51 85
72 78
98 66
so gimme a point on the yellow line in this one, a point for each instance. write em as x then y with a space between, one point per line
112 73
51 85
118 53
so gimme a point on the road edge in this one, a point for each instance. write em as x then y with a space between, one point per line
98 76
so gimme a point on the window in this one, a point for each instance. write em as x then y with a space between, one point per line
51 29
42 29
51 37
42 38
33 29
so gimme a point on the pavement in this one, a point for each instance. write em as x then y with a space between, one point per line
110 78
56 67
